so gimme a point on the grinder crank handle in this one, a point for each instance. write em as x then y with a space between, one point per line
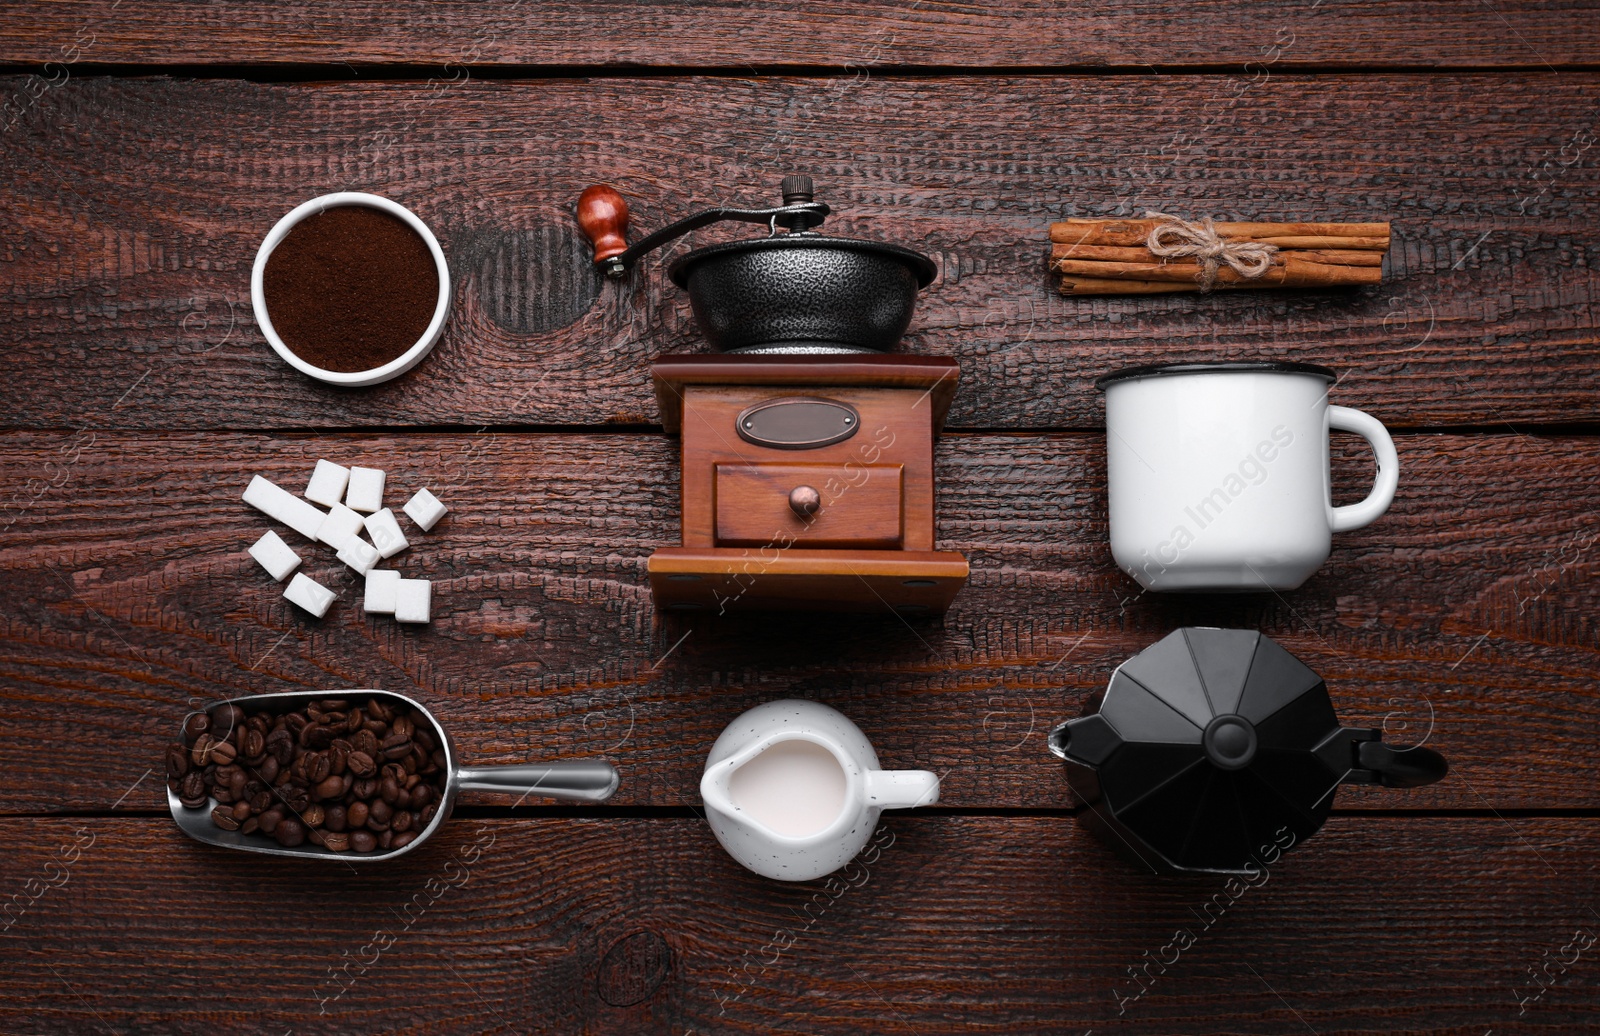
603 216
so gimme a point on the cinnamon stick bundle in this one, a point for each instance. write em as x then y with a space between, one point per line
1119 256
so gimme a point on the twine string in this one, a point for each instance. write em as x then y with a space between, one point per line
1179 238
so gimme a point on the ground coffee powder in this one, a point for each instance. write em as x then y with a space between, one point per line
350 288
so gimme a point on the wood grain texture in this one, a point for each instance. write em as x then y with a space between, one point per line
1021 925
134 208
1467 615
1165 33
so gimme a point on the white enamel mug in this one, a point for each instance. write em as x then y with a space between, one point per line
1218 473
793 789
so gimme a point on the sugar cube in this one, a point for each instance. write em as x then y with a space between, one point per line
339 526
382 583
385 533
309 594
275 556
425 509
411 599
366 490
358 554
327 483
278 503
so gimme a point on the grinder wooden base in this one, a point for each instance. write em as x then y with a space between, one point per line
724 581
807 483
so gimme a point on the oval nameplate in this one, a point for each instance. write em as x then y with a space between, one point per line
798 423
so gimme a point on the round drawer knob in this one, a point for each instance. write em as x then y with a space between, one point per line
805 501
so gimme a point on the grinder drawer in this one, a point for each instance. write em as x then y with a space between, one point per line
856 505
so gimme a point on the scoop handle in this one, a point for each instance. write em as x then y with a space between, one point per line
573 782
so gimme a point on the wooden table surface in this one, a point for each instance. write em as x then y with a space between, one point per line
145 149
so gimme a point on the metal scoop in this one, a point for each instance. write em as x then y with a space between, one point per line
591 781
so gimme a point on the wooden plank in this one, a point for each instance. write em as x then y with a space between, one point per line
1166 34
945 924
1467 615
133 209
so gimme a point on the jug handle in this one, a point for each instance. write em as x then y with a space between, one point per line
900 789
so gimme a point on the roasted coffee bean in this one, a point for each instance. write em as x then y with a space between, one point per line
379 814
319 768
268 770
200 754
401 822
250 826
402 727
363 841
422 795
396 747
424 737
316 736
336 841
223 817
352 722
195 724
437 759
313 815
315 836
330 788
293 796
385 839
400 841
361 764
410 762
224 718
223 752
364 741
262 801
356 814
402 799
334 818
241 811
380 710
289 832
280 744
255 747
365 789
426 816
177 762
296 722
389 790
193 785
268 821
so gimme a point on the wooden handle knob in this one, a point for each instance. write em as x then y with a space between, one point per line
805 501
603 215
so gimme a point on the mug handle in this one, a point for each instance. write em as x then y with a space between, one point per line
1354 516
901 789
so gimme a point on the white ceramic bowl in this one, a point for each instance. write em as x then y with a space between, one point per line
395 367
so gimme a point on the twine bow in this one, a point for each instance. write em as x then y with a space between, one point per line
1179 238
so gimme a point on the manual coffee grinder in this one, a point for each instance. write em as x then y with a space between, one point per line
808 476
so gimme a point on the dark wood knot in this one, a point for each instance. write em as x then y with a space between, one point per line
633 968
